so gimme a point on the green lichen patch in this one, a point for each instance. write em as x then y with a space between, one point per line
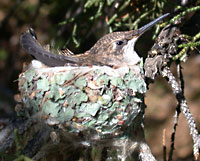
66 115
34 104
80 83
102 117
43 84
137 85
92 108
90 123
118 82
104 99
29 74
76 98
102 80
57 92
50 108
69 90
61 78
80 97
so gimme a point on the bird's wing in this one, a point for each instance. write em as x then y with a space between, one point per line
66 52
31 46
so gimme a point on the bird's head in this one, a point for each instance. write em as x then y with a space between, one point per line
119 46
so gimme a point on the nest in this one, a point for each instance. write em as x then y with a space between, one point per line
97 99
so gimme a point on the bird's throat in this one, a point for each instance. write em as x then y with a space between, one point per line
130 56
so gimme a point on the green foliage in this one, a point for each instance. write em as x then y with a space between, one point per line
79 24
3 54
191 45
93 18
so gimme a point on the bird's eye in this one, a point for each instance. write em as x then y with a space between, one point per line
119 42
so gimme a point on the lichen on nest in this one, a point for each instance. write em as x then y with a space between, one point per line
102 99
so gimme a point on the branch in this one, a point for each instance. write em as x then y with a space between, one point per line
184 108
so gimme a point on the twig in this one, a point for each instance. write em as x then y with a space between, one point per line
181 83
164 146
184 108
174 132
183 13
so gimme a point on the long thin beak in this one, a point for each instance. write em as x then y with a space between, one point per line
143 29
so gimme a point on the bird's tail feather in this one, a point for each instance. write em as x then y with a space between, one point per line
29 43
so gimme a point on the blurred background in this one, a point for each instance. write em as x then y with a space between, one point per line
77 25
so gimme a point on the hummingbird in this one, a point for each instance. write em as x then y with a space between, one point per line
114 49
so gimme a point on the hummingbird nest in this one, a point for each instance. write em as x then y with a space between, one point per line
96 103
101 99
